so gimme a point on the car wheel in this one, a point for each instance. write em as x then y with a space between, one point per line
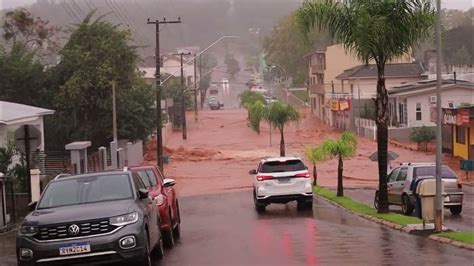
146 260
304 205
177 228
260 207
376 200
159 250
407 207
455 210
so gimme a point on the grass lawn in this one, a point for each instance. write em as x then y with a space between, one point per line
361 208
302 95
464 236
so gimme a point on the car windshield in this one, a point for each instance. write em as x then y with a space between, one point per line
446 172
282 166
85 190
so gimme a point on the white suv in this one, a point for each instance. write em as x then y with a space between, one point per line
281 180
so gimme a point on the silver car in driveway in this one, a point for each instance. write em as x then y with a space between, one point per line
401 179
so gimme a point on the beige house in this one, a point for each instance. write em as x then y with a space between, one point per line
324 86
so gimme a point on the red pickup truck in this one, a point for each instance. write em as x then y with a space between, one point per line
162 190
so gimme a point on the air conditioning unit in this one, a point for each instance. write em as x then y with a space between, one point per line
433 99
451 105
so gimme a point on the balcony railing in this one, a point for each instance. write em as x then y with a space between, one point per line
317 69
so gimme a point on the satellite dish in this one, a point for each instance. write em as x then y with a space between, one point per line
34 138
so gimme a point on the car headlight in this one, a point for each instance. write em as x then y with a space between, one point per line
28 230
125 219
160 199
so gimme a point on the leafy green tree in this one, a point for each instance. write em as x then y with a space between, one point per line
22 77
342 148
283 46
20 27
422 135
315 155
96 54
256 115
248 99
277 115
378 30
6 155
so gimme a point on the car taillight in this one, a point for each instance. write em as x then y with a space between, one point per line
460 185
264 177
305 175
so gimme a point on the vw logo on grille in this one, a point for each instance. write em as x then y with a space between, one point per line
74 229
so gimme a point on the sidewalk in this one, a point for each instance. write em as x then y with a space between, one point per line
7 248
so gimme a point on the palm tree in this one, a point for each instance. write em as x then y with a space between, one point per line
277 115
342 148
315 154
248 99
378 30
256 111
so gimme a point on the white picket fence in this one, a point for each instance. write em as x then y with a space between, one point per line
366 128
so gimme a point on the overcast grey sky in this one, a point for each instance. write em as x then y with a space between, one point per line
452 4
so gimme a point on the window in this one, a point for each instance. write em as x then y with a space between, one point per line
460 135
282 166
148 178
393 175
402 175
418 111
320 79
138 182
84 190
446 172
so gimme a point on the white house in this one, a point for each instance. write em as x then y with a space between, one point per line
414 105
171 65
14 115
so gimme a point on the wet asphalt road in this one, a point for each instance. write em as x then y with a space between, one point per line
464 221
225 229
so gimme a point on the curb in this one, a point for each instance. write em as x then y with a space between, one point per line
451 242
398 227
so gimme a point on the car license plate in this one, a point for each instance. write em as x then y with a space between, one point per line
446 199
283 180
76 248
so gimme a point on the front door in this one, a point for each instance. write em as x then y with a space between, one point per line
399 185
392 178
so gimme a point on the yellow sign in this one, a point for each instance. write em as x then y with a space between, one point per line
334 105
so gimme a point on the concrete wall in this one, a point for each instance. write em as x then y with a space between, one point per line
458 95
338 60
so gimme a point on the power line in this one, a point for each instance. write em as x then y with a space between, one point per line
137 30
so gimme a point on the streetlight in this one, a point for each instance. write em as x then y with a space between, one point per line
200 53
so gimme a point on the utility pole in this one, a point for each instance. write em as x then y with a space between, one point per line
159 133
438 199
200 88
114 112
195 91
183 98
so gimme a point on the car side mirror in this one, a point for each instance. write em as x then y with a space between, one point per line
143 193
253 172
168 182
32 206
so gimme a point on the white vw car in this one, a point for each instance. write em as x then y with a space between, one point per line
281 180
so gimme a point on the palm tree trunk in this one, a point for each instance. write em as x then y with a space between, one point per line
315 175
382 137
282 143
340 188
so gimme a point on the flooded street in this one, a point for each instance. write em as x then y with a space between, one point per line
225 229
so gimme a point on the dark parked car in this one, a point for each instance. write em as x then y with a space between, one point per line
92 218
162 190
